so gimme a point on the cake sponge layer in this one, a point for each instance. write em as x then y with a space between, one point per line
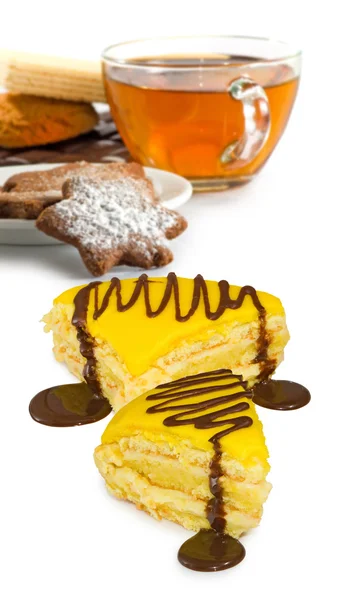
175 500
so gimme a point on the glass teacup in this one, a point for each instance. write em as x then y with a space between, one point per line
209 108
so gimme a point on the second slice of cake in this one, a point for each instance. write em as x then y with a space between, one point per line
191 451
145 332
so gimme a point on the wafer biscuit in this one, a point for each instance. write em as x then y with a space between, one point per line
51 76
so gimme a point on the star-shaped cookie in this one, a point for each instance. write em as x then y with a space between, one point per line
112 222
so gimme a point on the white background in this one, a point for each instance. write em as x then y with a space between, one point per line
286 233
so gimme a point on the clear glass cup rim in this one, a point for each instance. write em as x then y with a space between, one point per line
106 54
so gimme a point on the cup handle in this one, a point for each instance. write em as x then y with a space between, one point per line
256 113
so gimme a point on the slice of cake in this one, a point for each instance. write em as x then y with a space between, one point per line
191 451
147 331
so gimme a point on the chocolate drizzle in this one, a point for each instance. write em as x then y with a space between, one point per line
79 320
216 506
267 365
172 289
189 413
200 290
181 390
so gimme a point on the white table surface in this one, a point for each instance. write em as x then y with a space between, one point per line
285 233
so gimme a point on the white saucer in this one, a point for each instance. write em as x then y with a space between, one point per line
172 191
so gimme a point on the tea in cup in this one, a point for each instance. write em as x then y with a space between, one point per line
209 108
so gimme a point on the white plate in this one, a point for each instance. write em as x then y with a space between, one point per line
172 191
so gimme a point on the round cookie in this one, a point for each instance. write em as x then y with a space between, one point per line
35 121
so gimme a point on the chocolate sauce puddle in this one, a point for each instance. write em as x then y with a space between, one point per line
211 551
208 550
281 395
68 405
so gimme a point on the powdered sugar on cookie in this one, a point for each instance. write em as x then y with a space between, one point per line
106 214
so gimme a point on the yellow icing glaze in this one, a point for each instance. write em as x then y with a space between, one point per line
245 445
140 340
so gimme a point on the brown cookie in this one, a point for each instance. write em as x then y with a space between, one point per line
25 205
33 189
101 144
112 222
33 121
53 179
